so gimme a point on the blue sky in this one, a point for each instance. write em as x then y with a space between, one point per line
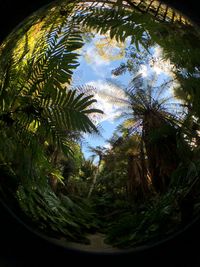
95 69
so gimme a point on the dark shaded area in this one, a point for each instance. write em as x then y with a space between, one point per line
13 12
19 247
189 8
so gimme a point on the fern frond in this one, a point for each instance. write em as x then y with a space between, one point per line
120 24
69 110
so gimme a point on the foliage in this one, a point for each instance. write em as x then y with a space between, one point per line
118 27
56 216
146 185
159 219
39 109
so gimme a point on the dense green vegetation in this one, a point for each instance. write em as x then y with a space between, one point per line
142 188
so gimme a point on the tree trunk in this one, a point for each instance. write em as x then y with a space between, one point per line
135 183
161 152
53 183
94 178
93 184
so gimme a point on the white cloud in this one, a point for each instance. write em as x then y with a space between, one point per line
107 145
104 95
143 70
95 61
157 65
161 65
94 58
158 51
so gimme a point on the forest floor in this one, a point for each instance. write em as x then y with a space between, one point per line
97 244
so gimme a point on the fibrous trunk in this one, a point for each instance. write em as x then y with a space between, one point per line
160 143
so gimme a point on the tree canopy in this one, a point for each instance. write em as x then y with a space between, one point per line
144 183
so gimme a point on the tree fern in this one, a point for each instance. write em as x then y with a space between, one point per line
38 94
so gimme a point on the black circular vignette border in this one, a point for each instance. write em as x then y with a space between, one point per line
22 247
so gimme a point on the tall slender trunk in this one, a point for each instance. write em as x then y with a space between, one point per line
53 180
144 169
94 178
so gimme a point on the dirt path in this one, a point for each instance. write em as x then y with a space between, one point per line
97 244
